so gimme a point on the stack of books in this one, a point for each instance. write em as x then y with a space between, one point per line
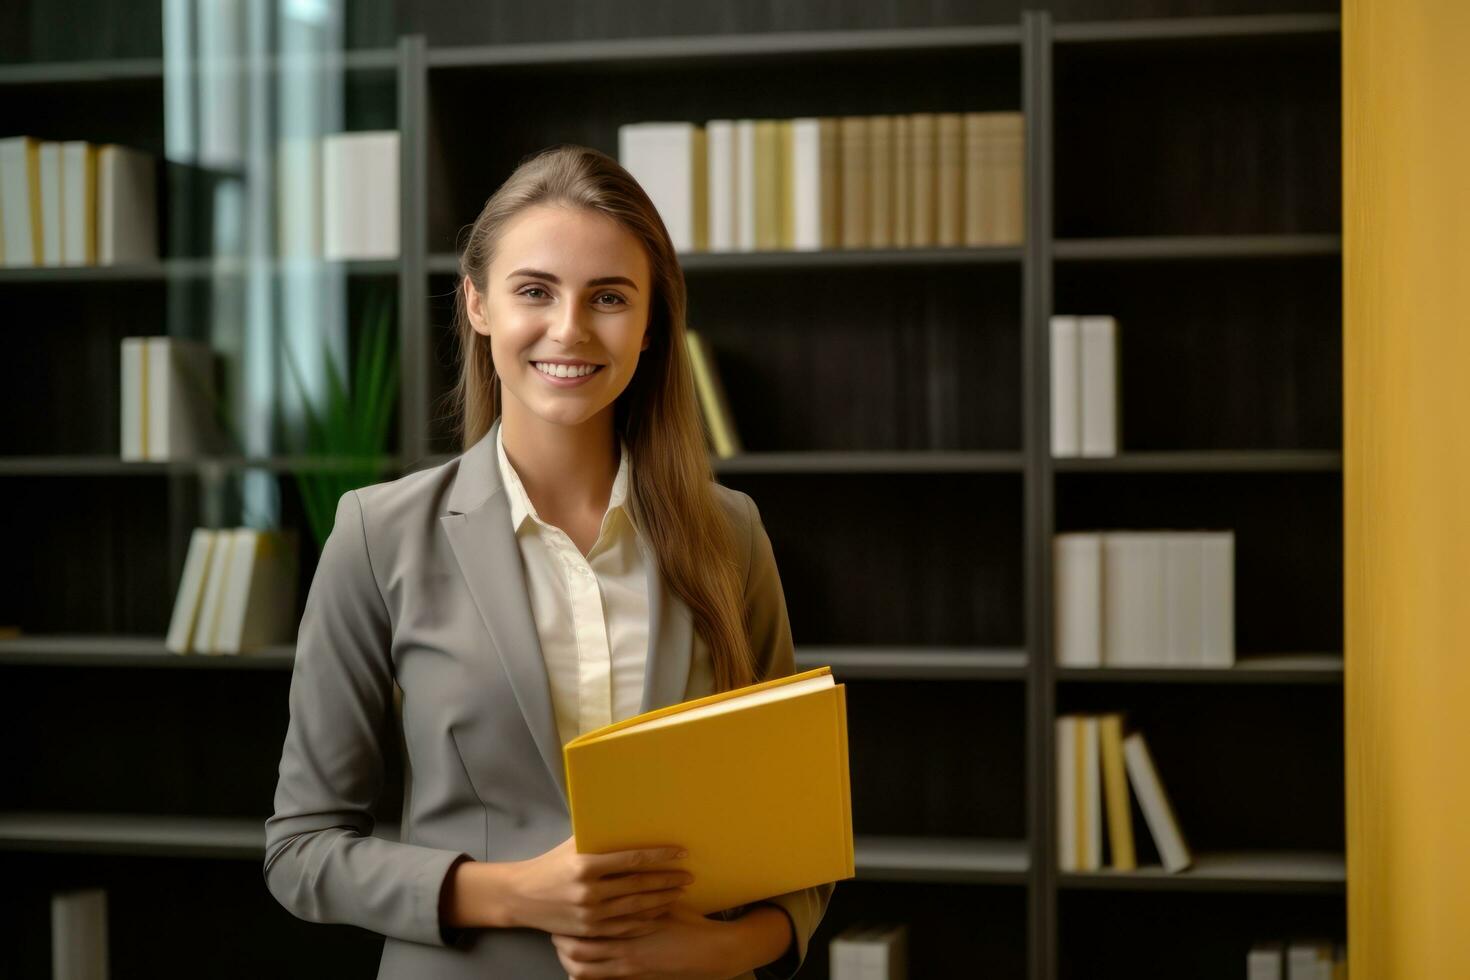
870 951
1096 763
76 203
168 399
338 196
914 180
1144 598
1084 386
1303 959
237 592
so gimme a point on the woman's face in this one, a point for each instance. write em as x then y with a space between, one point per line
567 287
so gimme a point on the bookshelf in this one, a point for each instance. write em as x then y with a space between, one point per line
943 460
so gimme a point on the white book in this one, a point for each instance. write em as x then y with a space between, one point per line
358 170
1217 606
1265 961
670 161
1183 599
127 206
258 605
885 953
1067 795
1309 959
79 934
180 393
1133 599
745 202
808 169
845 952
216 587
190 595
1078 573
79 203
51 201
1158 814
134 408
299 197
719 135
1066 387
1089 851
20 200
1098 337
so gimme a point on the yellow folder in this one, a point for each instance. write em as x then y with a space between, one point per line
753 783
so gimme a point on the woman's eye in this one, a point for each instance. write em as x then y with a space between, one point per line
615 297
532 289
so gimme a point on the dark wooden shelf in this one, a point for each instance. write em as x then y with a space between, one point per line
664 52
1242 871
1124 249
1302 668
1194 28
940 859
132 651
114 466
1206 461
168 270
915 663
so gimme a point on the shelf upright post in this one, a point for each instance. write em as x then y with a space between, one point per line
1036 300
413 340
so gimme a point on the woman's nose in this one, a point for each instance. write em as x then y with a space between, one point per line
568 327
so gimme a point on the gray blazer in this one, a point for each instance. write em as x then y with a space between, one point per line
420 583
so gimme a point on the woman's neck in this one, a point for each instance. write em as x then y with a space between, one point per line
567 470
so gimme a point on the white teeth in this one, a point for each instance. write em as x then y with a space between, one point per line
565 370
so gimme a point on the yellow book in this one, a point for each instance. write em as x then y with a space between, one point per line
767 185
753 783
786 183
1115 793
714 406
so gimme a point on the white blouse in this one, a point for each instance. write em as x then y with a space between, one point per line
591 612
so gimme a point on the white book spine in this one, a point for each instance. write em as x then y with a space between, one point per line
52 213
1154 802
79 203
745 199
216 586
1218 601
661 157
1264 961
1099 341
1066 387
1090 856
1066 729
720 134
359 168
79 935
806 149
1183 595
127 206
1077 567
20 205
134 408
1133 600
181 625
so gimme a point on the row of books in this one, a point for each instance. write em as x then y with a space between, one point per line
1096 763
870 951
76 203
168 397
913 180
1299 959
338 196
79 934
237 591
1144 598
1084 386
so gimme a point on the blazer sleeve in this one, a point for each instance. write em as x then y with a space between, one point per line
770 638
321 861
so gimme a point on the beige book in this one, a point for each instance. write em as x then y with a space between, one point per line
180 638
79 203
1115 791
786 181
714 406
950 204
880 181
767 185
924 177
854 137
1006 184
20 200
127 205
699 190
979 212
831 140
902 181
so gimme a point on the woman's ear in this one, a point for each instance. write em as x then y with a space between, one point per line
474 307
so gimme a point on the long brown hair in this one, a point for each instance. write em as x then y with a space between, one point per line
672 490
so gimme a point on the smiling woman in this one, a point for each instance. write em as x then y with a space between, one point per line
575 566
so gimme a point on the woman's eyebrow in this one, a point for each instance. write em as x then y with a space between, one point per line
603 281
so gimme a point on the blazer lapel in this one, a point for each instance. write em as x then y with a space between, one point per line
479 531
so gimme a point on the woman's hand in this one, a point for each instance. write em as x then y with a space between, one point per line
682 945
594 895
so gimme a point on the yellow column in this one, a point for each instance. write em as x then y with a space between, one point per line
1406 440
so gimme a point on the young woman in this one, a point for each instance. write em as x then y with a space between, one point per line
575 566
